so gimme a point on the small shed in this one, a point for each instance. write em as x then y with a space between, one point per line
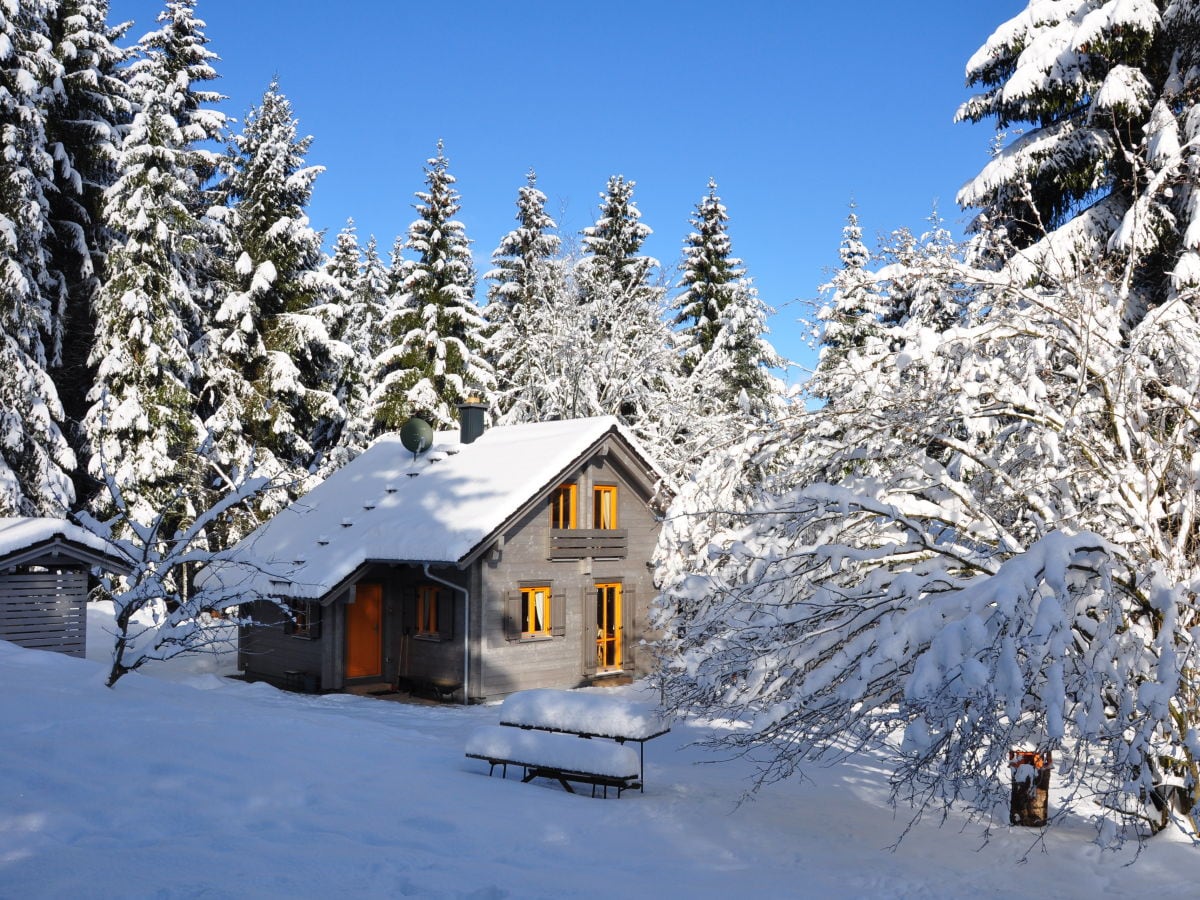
44 570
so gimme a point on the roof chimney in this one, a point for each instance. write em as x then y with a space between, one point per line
472 419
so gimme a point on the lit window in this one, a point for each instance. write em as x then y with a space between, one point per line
427 609
535 611
562 507
604 507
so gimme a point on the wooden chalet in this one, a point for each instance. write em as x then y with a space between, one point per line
496 561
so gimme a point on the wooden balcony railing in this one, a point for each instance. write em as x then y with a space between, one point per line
578 543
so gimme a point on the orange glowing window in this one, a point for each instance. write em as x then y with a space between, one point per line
604 507
562 507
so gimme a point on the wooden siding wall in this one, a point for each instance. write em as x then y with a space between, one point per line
45 610
563 662
268 652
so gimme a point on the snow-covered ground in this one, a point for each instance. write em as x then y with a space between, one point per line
182 783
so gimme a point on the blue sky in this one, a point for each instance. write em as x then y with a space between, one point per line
795 109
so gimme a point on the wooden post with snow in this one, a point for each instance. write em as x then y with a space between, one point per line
1030 787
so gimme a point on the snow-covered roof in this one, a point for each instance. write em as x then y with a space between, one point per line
18 534
387 505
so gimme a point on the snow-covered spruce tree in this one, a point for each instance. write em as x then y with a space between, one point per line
988 541
1102 96
344 265
363 281
142 417
434 361
722 326
624 307
270 368
527 273
179 49
85 115
589 352
35 459
855 310
612 246
520 260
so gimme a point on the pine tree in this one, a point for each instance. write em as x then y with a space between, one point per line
523 256
854 312
344 265
723 321
1105 164
437 333
595 342
35 460
271 367
528 275
612 244
142 429
85 116
141 422
363 280
708 278
179 49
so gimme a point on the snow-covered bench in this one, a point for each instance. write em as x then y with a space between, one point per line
561 757
585 715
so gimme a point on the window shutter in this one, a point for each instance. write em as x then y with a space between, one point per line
512 616
558 614
588 631
628 626
408 609
445 613
316 613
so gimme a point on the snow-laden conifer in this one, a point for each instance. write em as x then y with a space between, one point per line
434 359
271 369
1103 159
522 256
142 418
528 278
85 112
722 323
35 460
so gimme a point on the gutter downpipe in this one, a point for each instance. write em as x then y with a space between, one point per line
466 628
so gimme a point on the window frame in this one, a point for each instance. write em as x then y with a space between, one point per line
304 620
599 491
568 491
528 600
428 599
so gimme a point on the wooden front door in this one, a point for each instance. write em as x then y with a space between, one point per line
608 626
364 632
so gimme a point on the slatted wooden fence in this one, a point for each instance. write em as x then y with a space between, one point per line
45 610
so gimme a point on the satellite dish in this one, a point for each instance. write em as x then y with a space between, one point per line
416 435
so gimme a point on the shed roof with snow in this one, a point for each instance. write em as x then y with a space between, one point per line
444 506
37 541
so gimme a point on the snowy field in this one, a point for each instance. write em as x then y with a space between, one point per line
182 783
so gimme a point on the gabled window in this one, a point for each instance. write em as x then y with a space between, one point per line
604 507
562 507
427 609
